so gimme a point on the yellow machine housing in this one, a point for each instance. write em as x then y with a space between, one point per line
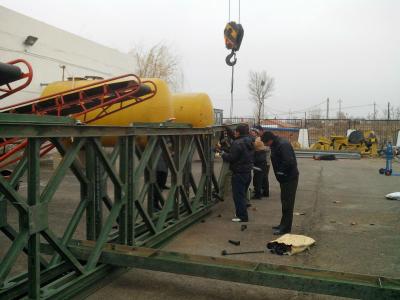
193 108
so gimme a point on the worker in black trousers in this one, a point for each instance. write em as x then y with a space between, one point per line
265 180
260 167
240 160
285 168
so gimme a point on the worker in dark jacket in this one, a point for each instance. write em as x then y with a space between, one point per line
265 180
285 168
240 160
260 167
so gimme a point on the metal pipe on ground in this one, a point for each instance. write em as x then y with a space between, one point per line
337 154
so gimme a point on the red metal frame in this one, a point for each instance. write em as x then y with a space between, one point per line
109 97
119 100
58 97
44 149
7 92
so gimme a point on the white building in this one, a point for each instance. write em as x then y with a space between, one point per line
54 49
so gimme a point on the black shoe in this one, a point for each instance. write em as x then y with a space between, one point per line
255 197
280 232
265 194
248 204
276 227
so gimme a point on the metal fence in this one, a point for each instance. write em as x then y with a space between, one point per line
385 130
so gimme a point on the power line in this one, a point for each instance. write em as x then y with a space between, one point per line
354 106
296 111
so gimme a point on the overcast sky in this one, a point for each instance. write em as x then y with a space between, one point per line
341 49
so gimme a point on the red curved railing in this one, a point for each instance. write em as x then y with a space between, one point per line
29 75
101 95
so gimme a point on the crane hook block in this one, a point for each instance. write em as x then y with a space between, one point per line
233 35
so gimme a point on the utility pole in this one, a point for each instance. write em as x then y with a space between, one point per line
63 72
327 108
388 116
374 110
340 108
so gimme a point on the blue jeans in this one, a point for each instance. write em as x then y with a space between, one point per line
240 185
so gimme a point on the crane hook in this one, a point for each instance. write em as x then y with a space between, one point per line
229 61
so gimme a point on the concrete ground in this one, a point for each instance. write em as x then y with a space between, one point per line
345 211
333 195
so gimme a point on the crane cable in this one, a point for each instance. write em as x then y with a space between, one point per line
233 35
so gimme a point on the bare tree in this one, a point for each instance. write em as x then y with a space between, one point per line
370 116
341 115
159 62
390 115
315 113
396 113
260 88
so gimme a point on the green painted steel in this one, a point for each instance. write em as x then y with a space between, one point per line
59 268
130 218
284 277
42 130
34 236
16 119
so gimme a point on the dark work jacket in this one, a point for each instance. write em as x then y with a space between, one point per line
283 160
241 156
260 158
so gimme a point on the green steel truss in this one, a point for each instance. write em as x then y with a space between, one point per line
118 226
131 219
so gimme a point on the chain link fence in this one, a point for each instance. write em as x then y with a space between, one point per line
385 130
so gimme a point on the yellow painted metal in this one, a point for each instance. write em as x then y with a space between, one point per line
369 146
193 108
154 110
61 86
189 108
322 144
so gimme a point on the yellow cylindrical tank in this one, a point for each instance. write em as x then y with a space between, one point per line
153 110
193 108
188 108
156 109
61 86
